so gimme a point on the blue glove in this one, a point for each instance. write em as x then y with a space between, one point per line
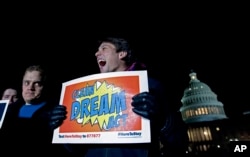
144 104
56 116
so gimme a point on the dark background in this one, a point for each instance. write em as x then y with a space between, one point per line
213 44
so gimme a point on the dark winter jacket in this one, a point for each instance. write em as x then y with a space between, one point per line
27 136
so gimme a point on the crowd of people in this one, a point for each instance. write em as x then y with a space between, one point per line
32 117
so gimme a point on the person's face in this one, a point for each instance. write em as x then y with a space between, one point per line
11 95
32 86
108 59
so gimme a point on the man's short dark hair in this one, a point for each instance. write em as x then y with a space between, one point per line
121 44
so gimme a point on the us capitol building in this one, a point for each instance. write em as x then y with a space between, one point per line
210 131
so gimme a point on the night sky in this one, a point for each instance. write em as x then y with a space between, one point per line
215 48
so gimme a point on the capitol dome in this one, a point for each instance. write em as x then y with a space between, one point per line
199 103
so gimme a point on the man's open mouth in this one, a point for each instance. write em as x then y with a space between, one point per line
101 62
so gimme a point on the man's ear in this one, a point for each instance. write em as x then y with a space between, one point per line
122 54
